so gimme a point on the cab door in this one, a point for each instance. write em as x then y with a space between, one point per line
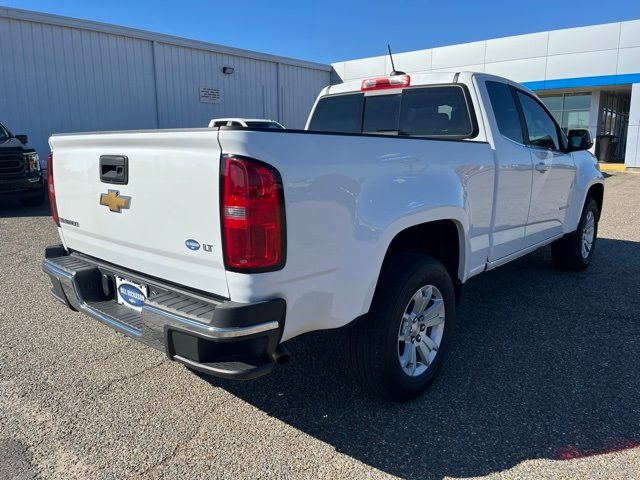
514 171
554 172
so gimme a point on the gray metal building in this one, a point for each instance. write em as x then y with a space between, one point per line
59 74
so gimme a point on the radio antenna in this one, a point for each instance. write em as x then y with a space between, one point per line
394 71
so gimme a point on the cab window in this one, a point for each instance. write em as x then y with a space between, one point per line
430 111
505 110
338 113
541 129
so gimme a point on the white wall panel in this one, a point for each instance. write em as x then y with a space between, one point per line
634 107
365 67
584 39
519 70
632 153
518 47
478 67
582 64
629 60
418 61
630 34
456 55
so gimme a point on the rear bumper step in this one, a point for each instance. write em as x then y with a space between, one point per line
217 337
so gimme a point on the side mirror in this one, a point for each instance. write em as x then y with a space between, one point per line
580 139
23 139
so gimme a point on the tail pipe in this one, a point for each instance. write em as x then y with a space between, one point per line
281 355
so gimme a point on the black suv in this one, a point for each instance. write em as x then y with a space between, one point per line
20 172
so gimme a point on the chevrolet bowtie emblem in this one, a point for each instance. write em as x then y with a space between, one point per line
115 201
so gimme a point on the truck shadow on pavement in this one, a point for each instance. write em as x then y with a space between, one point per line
544 365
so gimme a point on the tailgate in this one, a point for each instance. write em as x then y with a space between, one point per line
164 222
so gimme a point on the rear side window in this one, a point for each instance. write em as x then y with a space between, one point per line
505 110
435 111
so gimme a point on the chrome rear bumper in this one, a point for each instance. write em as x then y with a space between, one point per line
215 336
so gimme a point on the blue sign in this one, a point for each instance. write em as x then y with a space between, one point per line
192 244
131 295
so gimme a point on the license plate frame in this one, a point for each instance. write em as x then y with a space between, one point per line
131 294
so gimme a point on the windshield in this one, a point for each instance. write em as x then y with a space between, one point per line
433 111
272 125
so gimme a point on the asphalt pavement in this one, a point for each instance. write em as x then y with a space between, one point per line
543 382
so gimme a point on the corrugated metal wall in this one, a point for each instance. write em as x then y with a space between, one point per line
299 86
251 91
56 79
65 75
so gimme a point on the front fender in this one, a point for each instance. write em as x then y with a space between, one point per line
587 174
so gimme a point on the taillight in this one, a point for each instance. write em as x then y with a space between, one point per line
380 83
253 224
52 190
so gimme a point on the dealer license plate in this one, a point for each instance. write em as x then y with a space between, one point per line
131 294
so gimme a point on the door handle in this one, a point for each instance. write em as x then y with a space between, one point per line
542 167
114 169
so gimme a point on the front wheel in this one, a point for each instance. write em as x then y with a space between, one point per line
398 349
575 251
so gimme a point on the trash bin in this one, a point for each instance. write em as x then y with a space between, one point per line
606 147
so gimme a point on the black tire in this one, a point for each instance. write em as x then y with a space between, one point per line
373 343
567 252
33 200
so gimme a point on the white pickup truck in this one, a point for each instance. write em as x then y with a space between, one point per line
218 245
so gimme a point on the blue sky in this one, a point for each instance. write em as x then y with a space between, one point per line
331 31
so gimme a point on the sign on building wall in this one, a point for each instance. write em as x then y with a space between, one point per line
209 95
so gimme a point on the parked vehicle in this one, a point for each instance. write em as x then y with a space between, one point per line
245 122
218 245
20 173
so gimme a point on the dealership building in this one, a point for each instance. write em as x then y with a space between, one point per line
60 74
588 77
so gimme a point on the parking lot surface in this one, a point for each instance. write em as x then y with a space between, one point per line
543 381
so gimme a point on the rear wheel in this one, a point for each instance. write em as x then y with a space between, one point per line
398 349
575 251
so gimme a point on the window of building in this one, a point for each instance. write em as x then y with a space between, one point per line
570 110
614 119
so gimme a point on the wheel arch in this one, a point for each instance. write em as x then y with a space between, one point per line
442 239
596 191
